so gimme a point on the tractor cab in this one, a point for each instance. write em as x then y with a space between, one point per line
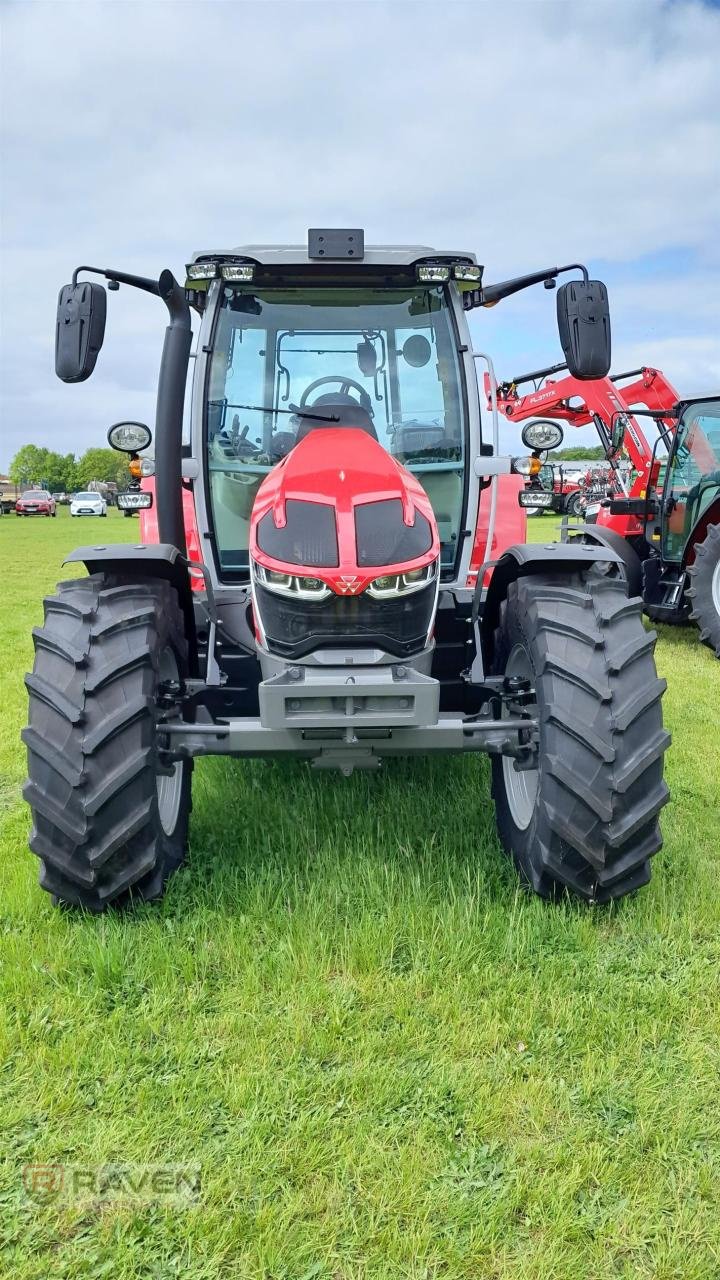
285 362
692 477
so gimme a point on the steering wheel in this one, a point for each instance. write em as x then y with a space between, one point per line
345 385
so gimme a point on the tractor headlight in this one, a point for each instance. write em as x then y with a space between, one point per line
298 586
402 584
134 500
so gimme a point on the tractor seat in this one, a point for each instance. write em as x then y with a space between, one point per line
281 444
348 412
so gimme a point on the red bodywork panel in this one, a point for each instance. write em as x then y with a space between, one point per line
341 467
510 526
384 478
149 527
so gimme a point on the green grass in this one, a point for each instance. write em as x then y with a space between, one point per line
388 1060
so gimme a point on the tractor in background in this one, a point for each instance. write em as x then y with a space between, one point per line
667 513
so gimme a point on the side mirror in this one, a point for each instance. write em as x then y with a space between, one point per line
416 350
583 317
366 358
618 425
79 330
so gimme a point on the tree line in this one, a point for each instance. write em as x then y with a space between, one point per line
577 453
64 473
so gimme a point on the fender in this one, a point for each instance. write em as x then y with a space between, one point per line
601 536
157 560
521 560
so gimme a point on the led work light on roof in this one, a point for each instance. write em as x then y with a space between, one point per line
429 273
202 270
467 271
235 274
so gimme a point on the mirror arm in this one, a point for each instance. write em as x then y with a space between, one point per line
120 277
496 292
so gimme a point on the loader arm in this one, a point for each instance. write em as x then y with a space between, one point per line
593 404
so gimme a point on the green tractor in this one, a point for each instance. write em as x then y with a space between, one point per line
681 573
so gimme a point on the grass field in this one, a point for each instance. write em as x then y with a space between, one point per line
388 1061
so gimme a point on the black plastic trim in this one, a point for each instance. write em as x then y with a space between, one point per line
159 560
525 559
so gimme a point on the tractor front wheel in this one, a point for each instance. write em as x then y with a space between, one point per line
110 812
572 506
704 589
585 818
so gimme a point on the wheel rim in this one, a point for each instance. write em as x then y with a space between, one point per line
521 788
169 785
716 589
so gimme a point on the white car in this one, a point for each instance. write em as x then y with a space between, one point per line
88 504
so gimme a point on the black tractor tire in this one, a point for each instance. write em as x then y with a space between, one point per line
588 821
110 816
572 504
704 590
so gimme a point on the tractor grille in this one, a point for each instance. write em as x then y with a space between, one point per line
296 627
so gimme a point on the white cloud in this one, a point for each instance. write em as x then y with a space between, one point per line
534 133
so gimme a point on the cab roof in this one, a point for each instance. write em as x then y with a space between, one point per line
375 255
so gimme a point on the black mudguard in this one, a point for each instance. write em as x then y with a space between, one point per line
523 560
142 561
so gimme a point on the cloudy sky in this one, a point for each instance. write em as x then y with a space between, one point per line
531 133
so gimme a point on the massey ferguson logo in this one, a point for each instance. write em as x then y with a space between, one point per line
349 586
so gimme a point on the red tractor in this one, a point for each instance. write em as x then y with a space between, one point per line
664 521
340 575
565 491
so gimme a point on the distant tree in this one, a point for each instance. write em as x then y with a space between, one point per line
579 454
69 484
28 465
101 464
58 473
33 465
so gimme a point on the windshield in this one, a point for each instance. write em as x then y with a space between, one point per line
88 496
384 359
36 495
693 474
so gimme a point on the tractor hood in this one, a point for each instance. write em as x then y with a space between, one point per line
338 508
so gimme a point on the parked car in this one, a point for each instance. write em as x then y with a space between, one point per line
88 504
35 502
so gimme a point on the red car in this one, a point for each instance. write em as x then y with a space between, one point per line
36 502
